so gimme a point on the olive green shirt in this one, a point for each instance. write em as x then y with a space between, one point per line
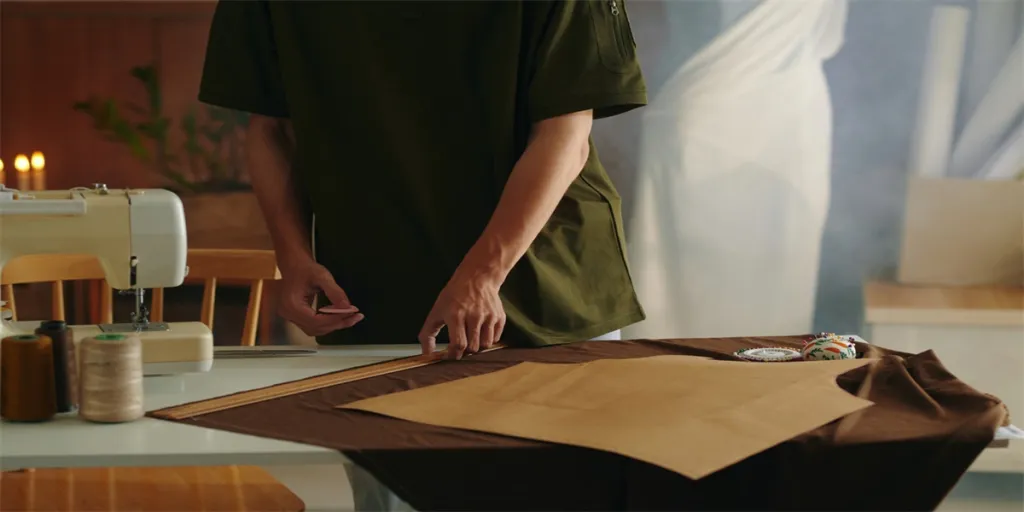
409 118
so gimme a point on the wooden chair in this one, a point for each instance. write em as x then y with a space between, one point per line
229 266
54 269
174 488
210 266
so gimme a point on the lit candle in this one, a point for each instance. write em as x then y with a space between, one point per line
38 172
21 165
3 177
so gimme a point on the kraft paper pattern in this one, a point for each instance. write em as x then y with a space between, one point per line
687 414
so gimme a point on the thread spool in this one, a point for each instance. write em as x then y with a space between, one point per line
64 364
26 378
110 377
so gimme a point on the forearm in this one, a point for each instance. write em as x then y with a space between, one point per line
269 150
556 154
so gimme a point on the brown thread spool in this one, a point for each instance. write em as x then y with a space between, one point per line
64 363
26 378
110 377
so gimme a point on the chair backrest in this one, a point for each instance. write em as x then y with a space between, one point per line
55 269
210 266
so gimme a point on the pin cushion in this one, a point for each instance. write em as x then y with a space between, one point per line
828 347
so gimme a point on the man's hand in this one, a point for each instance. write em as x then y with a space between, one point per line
469 305
300 284
471 309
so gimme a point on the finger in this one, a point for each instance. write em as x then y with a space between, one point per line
349 321
322 324
338 311
474 326
428 334
457 341
314 324
334 323
499 329
325 281
486 330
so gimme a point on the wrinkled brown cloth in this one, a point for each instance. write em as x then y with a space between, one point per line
904 453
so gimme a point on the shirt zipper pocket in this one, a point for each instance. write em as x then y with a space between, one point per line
611 28
614 8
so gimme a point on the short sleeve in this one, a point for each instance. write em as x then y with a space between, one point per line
241 70
585 58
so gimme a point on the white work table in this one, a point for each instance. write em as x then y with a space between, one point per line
316 475
68 441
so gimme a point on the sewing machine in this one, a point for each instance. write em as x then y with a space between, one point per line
139 239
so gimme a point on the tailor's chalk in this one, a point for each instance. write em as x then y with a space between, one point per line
338 310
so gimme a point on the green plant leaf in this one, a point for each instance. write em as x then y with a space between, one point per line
219 114
156 129
215 137
137 109
151 81
191 131
84 106
209 158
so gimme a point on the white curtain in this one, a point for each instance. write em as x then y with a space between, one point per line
991 141
733 183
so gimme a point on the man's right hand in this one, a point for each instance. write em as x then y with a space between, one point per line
299 285
270 148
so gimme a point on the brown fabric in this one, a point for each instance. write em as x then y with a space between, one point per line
692 415
904 453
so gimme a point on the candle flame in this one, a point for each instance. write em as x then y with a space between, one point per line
1 165
21 163
38 161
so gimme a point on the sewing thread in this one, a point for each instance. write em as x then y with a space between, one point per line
110 378
27 391
64 363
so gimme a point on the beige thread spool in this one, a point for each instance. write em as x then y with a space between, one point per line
110 378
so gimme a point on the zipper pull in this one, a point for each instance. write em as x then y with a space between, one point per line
614 7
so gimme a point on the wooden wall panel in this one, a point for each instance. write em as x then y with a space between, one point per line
181 50
55 53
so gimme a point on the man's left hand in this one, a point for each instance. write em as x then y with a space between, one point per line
469 306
